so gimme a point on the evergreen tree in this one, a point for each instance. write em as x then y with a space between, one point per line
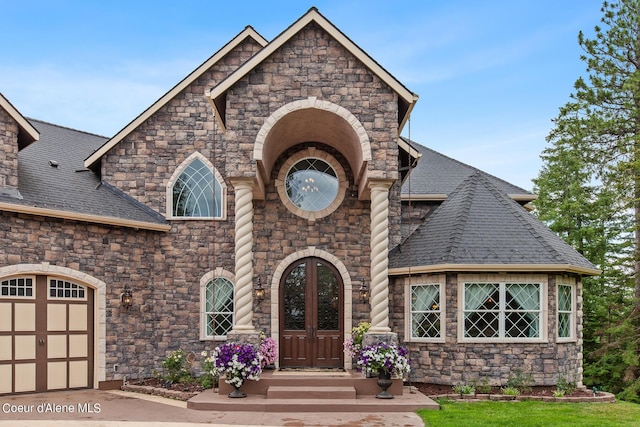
589 192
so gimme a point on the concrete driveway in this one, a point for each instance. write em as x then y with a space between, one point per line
115 408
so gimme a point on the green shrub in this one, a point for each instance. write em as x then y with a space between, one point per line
520 381
464 389
176 367
510 391
483 386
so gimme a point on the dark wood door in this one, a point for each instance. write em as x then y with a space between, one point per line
311 315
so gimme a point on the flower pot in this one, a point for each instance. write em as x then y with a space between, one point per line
384 382
236 393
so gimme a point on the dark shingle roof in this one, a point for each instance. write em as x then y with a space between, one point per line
70 187
480 224
439 174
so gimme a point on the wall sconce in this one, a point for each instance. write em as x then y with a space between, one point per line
364 290
126 297
259 290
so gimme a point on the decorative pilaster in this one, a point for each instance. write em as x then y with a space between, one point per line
379 298
243 254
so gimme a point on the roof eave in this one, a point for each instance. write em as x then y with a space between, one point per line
27 128
440 268
76 216
247 32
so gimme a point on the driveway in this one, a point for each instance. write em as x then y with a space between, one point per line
115 408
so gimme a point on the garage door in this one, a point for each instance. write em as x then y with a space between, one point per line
46 334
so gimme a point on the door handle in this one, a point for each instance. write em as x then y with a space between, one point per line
309 333
41 341
313 331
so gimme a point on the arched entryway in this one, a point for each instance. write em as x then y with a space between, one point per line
311 315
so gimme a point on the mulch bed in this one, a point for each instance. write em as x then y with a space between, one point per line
159 387
185 391
535 393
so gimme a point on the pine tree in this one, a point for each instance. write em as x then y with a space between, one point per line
590 191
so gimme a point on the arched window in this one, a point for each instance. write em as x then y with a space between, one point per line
219 307
217 304
195 191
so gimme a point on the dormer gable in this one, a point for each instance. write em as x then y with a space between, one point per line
16 133
406 98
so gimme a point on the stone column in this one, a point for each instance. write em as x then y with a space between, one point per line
244 256
379 298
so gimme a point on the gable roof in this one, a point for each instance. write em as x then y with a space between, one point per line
243 35
480 228
436 176
406 98
27 133
54 183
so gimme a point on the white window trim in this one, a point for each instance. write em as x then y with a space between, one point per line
504 279
212 275
573 314
314 153
176 175
425 280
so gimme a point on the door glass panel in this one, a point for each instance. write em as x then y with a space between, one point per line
294 299
328 299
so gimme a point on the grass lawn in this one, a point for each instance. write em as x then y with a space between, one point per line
530 413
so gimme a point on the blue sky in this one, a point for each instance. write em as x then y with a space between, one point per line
490 74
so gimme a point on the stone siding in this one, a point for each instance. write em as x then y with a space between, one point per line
8 151
452 362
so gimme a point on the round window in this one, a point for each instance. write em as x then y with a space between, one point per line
312 184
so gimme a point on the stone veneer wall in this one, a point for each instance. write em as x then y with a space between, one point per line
166 272
454 363
161 319
8 151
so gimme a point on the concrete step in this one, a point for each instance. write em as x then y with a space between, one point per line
313 392
410 401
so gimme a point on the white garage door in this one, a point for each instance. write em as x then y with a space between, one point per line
46 334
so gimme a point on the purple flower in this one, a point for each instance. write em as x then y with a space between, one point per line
237 362
384 357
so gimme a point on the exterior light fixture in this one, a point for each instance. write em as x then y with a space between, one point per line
126 297
259 290
364 290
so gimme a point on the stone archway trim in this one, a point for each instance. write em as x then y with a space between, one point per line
99 305
363 149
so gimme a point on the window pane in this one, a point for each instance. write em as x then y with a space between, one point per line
522 296
312 184
294 301
564 325
565 311
196 193
521 325
425 311
481 325
328 299
22 287
218 307
481 296
425 325
564 298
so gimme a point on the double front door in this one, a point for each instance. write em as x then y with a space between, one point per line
311 315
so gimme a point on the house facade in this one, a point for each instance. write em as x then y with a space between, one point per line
270 191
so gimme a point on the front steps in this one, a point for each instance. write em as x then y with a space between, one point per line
306 392
312 392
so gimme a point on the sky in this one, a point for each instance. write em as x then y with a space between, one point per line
491 74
